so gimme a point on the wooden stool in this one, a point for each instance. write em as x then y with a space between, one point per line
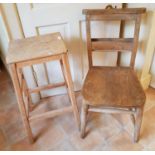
113 89
36 50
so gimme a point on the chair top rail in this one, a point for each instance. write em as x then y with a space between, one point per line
114 11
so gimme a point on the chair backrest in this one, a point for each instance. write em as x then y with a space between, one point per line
113 44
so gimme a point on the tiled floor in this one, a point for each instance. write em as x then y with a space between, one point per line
104 131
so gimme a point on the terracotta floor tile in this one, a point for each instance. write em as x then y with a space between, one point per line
104 124
103 131
3 118
90 142
7 96
4 76
148 128
13 116
64 145
50 137
67 123
125 122
15 132
2 140
122 142
24 145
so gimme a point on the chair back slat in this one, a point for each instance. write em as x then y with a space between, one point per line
113 44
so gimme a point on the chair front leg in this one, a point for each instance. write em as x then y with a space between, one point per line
83 118
138 121
132 116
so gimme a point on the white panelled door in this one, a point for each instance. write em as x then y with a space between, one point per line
67 19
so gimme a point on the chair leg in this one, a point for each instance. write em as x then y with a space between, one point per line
138 121
83 119
133 117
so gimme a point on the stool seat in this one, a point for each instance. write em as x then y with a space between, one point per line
35 47
113 87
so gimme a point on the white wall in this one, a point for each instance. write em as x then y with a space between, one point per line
11 16
143 36
4 39
10 28
15 29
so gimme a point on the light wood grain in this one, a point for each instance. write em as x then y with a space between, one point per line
35 47
112 44
113 89
50 114
113 86
138 121
21 105
113 11
21 55
83 119
69 82
46 87
135 45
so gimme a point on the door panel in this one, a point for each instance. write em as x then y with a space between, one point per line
40 19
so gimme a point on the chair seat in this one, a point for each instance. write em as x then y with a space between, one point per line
113 87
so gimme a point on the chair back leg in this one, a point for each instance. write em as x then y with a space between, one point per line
84 113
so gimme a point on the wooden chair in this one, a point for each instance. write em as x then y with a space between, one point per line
39 50
113 89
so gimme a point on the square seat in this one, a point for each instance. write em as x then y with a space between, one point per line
35 47
113 87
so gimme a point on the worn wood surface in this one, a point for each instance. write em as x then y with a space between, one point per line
69 82
121 34
89 45
84 118
113 86
138 122
110 110
121 44
50 114
20 100
35 47
135 42
38 61
36 50
46 87
114 17
112 44
114 11
113 89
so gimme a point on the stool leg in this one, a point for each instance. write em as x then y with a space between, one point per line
83 119
138 121
61 64
70 88
22 80
21 102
